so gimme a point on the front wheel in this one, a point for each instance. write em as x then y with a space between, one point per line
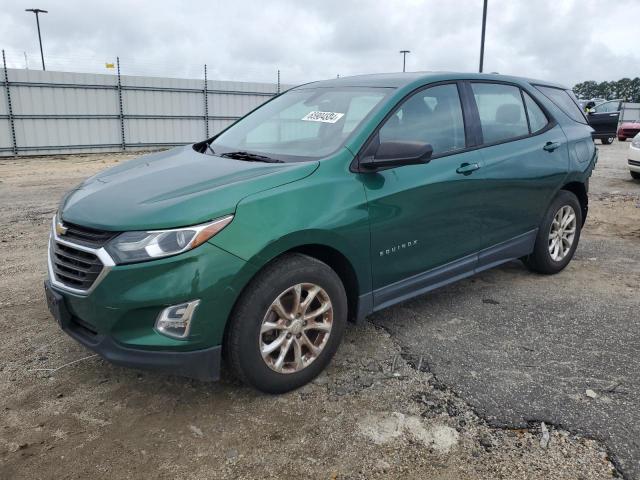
558 235
607 141
287 324
635 175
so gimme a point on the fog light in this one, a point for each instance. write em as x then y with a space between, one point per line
175 321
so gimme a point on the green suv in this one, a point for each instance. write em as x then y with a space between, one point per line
331 201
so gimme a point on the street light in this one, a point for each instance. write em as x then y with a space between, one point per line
38 11
404 58
484 27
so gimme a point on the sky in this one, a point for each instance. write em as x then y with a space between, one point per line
566 41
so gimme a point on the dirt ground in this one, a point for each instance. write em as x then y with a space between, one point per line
378 411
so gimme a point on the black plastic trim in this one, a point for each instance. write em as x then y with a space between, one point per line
201 364
512 249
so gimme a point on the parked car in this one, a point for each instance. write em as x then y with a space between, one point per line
634 157
587 104
329 202
604 119
628 129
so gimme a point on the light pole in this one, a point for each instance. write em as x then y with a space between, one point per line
484 27
38 11
404 58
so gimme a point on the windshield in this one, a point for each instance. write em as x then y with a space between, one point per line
301 124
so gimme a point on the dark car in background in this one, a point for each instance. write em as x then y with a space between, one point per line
603 118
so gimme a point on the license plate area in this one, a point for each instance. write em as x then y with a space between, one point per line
55 303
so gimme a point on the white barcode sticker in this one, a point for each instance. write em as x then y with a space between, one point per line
326 117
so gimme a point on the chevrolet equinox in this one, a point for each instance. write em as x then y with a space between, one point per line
329 202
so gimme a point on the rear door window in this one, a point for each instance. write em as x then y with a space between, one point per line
502 114
564 101
607 107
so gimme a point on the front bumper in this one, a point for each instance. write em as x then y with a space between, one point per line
116 318
634 159
201 364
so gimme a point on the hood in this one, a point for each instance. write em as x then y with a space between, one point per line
174 188
630 124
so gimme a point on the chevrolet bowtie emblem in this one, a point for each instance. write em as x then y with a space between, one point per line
60 229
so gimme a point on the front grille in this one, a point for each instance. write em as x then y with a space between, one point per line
87 236
634 162
73 267
630 132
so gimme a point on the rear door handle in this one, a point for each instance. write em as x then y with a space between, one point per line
550 146
613 114
467 168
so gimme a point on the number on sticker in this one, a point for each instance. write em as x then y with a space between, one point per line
326 117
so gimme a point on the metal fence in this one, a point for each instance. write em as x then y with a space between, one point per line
62 112
630 111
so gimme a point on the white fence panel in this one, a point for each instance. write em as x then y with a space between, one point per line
630 111
65 112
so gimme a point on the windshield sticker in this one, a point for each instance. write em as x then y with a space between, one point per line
326 117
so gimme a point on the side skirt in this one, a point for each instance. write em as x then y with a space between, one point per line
424 282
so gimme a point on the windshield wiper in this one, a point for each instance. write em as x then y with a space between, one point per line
250 157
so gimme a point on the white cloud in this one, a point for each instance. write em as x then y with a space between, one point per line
566 41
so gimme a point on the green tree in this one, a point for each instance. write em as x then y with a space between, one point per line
626 89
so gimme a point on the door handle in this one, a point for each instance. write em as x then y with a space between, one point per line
613 114
467 168
550 146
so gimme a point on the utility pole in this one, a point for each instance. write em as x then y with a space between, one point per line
404 59
484 28
37 11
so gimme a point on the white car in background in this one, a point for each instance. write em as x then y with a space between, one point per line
634 157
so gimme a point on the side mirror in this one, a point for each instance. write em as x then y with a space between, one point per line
398 153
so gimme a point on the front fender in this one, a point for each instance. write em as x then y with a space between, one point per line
327 208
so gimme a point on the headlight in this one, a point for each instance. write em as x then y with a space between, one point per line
636 141
130 247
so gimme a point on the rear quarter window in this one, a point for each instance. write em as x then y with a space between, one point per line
537 119
564 101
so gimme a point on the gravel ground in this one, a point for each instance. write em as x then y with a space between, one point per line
451 385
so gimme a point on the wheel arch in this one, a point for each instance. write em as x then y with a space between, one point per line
579 189
340 264
354 274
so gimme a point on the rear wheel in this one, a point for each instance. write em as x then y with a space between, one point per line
287 324
622 139
607 141
635 175
558 235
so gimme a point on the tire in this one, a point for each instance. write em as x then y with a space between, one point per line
542 260
245 340
622 139
607 141
635 175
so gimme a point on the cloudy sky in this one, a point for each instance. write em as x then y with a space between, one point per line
561 40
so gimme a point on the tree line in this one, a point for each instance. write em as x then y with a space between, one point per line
626 89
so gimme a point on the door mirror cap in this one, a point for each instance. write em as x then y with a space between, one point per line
398 153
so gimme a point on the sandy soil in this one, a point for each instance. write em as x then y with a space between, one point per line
375 413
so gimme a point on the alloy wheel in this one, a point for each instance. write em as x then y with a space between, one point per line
562 233
296 328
